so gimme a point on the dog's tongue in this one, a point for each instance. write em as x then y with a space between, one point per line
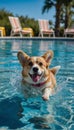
35 77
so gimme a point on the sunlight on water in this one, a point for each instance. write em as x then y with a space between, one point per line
16 112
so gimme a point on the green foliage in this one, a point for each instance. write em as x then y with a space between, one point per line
25 22
64 13
30 22
47 5
4 21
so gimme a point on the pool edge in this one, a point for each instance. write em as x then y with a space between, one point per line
37 38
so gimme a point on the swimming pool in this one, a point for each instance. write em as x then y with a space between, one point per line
35 114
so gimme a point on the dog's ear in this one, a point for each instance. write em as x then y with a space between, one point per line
48 56
55 69
22 57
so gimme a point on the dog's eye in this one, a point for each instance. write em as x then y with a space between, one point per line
30 63
40 63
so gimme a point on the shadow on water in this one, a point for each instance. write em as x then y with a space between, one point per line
36 114
40 123
10 113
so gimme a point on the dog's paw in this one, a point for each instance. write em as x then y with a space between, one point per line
45 97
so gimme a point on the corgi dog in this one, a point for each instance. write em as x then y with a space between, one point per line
36 74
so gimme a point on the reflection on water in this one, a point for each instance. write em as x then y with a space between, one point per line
18 113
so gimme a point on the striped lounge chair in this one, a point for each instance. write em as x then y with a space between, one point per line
44 28
16 27
69 31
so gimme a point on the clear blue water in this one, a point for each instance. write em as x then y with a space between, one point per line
17 113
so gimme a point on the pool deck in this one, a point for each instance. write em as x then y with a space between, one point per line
37 38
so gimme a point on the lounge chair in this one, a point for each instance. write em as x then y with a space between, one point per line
16 27
69 31
44 28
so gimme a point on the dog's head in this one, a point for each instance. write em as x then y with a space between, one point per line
35 69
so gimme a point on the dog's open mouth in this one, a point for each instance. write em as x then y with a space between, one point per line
35 77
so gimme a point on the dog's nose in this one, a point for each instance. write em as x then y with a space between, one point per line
35 69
